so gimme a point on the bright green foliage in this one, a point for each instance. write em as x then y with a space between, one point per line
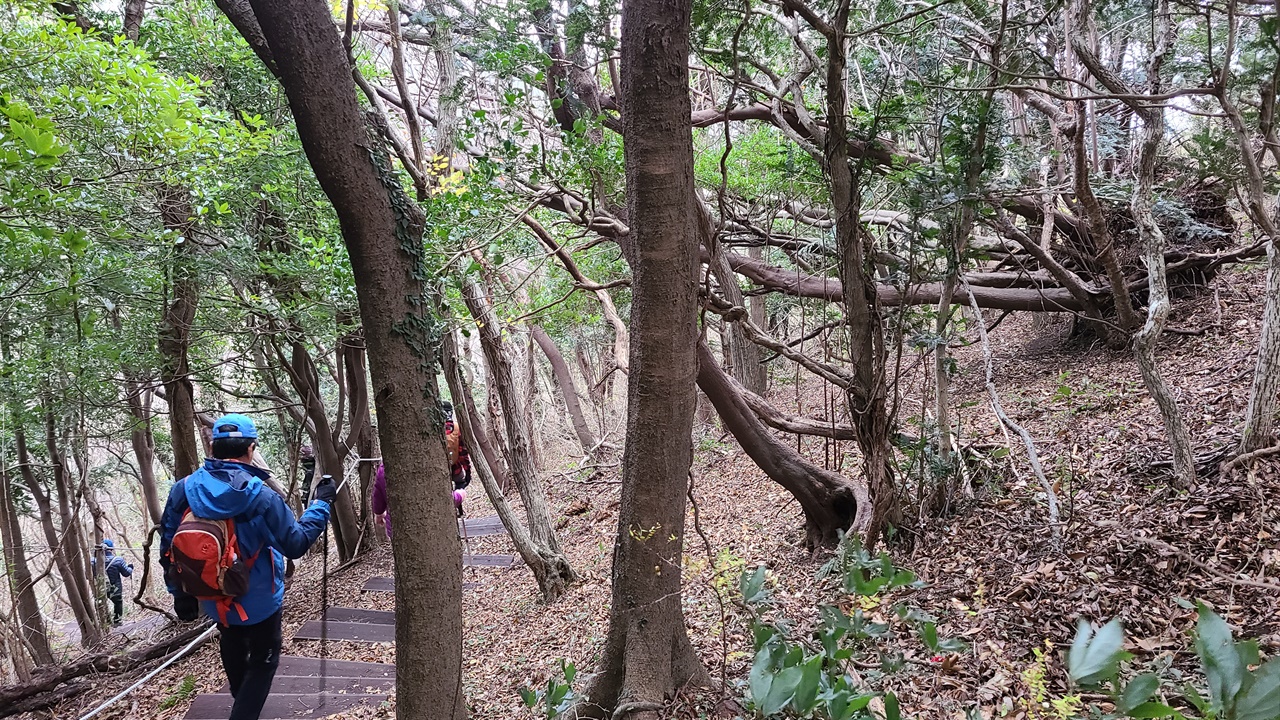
1235 691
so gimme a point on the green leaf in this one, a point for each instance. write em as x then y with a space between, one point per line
1094 658
761 678
1262 700
891 709
529 697
806 695
1138 691
751 585
781 690
1221 660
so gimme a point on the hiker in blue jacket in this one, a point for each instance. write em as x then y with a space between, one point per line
116 569
229 486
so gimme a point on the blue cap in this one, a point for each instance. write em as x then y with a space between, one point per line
106 543
234 425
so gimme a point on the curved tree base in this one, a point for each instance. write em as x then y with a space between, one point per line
829 501
645 663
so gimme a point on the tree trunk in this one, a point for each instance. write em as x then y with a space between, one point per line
331 450
568 389
549 567
133 12
1144 342
82 581
383 233
21 585
58 545
175 334
524 473
144 446
743 355
829 501
867 402
495 460
647 654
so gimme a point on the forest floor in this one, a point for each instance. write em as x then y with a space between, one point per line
993 576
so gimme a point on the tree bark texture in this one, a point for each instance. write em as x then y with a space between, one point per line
35 637
133 12
519 451
175 333
647 653
549 568
568 389
383 233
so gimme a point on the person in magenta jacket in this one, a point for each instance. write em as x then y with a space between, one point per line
378 498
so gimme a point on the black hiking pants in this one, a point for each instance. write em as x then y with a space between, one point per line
116 595
250 656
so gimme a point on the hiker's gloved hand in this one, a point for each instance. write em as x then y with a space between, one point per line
186 607
326 490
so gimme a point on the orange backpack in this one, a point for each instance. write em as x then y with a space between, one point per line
207 562
452 441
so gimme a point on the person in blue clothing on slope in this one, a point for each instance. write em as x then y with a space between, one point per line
229 486
116 569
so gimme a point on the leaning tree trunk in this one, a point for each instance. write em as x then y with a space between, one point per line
647 654
383 233
568 389
549 567
519 454
58 544
83 580
143 442
175 335
21 585
829 501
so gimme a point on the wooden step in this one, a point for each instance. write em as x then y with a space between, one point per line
353 631
379 584
482 526
310 666
304 684
475 560
284 706
386 584
360 615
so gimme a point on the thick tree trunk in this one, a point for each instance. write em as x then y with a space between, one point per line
549 567
647 653
496 355
568 389
133 12
383 233
21 585
829 501
1260 417
175 335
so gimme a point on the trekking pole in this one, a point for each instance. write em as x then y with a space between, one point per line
324 604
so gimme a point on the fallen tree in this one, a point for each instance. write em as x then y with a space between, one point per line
44 688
